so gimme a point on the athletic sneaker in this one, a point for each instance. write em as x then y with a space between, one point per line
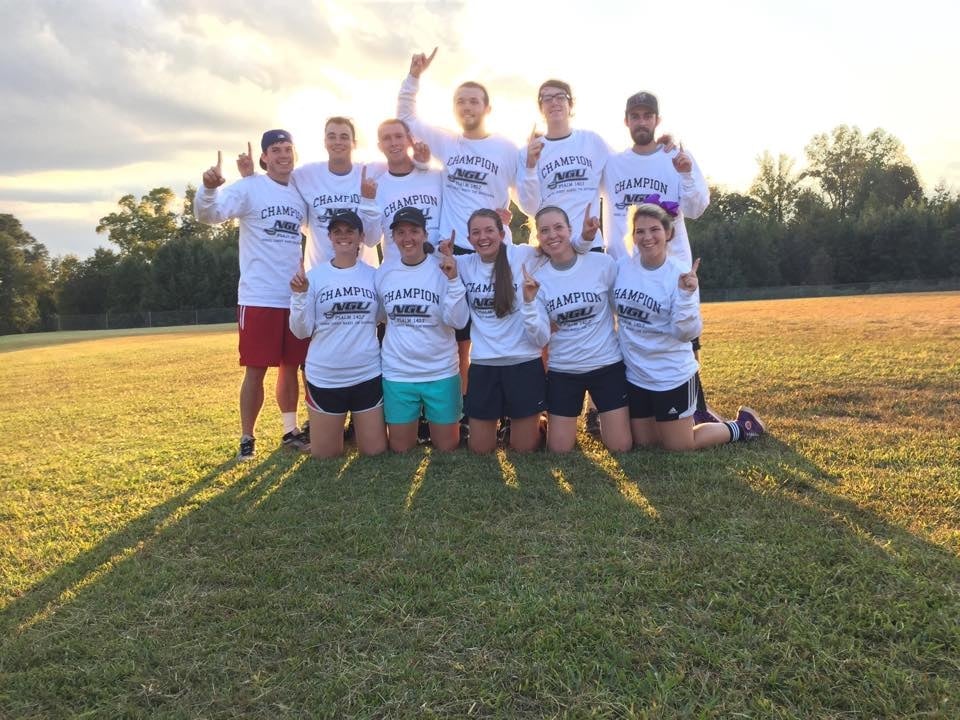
706 416
464 432
423 431
503 432
593 422
751 427
296 440
247 449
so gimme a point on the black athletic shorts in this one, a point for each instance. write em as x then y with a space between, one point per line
514 391
607 386
663 405
338 401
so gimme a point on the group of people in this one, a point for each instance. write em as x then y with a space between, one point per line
410 301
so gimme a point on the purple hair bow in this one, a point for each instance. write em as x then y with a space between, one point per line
669 206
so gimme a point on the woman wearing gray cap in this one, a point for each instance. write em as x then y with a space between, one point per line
335 305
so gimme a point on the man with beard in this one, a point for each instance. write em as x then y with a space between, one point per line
648 169
649 173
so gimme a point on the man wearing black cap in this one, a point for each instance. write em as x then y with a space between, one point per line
270 213
649 169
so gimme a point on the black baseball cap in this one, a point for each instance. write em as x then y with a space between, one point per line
411 215
346 216
642 99
273 136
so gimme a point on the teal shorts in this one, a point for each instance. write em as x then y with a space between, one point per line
440 400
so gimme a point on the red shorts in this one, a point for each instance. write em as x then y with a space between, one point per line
265 338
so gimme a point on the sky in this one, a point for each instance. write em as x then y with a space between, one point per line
104 98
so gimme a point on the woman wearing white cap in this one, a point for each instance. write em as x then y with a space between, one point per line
424 302
335 305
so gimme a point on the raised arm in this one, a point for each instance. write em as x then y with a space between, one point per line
694 192
407 103
686 323
211 205
302 306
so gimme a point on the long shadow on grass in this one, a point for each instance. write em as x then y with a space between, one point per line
509 585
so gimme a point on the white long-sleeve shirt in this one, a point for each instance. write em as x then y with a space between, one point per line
422 308
493 340
270 216
568 172
422 189
338 312
325 192
577 302
477 173
657 320
629 177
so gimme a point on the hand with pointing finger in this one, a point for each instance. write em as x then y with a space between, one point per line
667 142
448 264
446 246
505 215
245 162
534 147
688 281
368 188
421 152
299 282
420 62
530 285
213 177
591 224
682 162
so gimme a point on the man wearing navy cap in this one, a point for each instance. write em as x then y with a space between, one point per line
270 213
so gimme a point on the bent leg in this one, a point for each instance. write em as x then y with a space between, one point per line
445 436
369 430
326 434
483 436
561 433
615 430
644 431
402 437
525 433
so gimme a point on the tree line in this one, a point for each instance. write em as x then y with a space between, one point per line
856 213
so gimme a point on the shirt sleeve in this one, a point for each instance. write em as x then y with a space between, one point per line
694 192
302 313
455 311
686 323
528 185
536 322
214 205
435 138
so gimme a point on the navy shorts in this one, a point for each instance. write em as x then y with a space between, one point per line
663 405
514 391
607 386
338 401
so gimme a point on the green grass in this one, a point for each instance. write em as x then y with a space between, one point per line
815 573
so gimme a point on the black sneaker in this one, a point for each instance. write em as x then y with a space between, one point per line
296 440
247 449
503 432
593 422
423 432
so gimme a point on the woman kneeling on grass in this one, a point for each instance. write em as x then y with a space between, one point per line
424 302
567 301
658 310
506 377
335 305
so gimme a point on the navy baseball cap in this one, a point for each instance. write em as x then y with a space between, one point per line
273 136
346 216
411 215
642 99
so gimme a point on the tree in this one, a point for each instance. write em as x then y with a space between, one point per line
142 227
776 188
25 293
83 286
837 161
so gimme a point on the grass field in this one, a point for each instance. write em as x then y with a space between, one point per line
813 574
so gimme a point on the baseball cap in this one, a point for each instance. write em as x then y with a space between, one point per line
346 216
642 99
411 215
273 136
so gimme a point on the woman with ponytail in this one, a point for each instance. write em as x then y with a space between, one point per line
506 377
